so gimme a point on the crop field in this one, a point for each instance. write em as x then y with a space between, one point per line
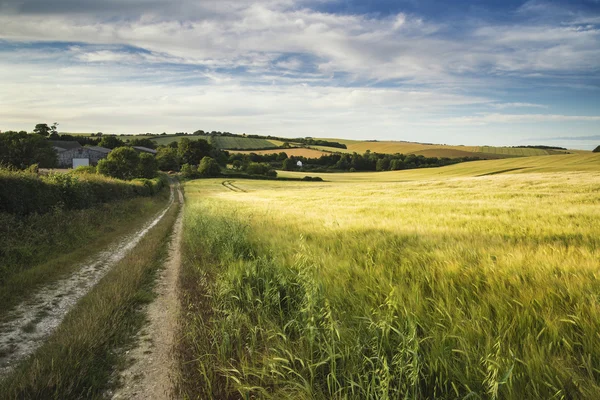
437 150
457 282
165 140
241 143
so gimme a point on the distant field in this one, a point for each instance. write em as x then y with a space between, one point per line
297 152
436 150
473 281
589 162
240 143
165 140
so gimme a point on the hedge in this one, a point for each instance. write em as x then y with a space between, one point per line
26 193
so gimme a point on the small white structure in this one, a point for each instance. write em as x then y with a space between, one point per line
81 162
299 164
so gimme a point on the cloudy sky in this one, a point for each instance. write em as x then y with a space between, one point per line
499 72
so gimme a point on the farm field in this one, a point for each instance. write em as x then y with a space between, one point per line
558 163
292 152
222 142
437 150
429 284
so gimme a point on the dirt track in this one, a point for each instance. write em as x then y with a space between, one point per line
152 362
32 321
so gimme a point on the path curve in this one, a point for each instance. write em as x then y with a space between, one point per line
150 376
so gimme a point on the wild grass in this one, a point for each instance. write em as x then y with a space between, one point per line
40 248
80 359
477 287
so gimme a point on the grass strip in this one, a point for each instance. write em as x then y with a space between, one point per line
40 249
80 359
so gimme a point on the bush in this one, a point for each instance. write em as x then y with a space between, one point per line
260 169
209 168
147 166
26 193
84 170
189 171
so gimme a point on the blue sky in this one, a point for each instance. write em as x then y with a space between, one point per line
464 72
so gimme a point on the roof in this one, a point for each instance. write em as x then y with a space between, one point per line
99 149
144 149
65 144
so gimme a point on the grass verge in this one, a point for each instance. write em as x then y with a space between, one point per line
39 249
80 359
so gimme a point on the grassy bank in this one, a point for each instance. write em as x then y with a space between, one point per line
80 359
39 248
478 287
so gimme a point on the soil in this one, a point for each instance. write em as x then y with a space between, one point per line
152 362
30 323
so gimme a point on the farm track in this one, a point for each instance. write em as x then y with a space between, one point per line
229 185
30 323
152 362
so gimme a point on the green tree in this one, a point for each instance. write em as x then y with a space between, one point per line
147 166
289 164
193 151
189 171
209 167
383 164
121 163
144 142
20 150
42 129
596 150
167 159
111 142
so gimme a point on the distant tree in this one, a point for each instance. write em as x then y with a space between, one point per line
383 164
237 164
209 168
193 151
596 150
111 142
42 129
144 142
20 150
54 129
121 163
189 171
147 166
289 164
167 159
282 156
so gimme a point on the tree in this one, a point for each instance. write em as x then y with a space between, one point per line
121 163
111 142
42 129
596 150
383 164
167 159
189 171
20 150
147 166
289 164
193 151
144 142
209 168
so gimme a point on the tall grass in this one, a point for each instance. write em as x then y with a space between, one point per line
80 360
467 288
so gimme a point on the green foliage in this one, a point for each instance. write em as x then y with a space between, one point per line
193 151
42 129
167 159
147 166
143 142
20 150
189 171
208 168
289 164
111 142
260 169
26 193
125 163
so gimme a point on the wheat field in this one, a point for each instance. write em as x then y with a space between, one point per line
457 282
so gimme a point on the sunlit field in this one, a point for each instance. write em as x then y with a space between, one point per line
457 282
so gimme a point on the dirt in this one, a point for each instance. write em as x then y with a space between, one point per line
152 362
30 323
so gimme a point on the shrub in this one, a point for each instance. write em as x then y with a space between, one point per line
147 166
209 168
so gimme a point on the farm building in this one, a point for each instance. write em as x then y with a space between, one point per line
142 149
71 154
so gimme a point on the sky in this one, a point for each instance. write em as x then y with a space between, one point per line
498 72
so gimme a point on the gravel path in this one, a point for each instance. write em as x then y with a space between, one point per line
31 322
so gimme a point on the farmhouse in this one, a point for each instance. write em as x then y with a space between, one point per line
71 154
